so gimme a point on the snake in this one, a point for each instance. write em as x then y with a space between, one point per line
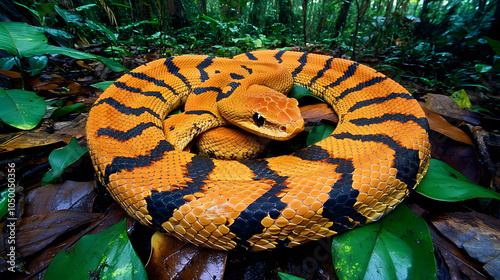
375 157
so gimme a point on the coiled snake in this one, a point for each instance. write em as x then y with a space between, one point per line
378 153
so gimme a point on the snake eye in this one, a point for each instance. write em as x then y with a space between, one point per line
258 119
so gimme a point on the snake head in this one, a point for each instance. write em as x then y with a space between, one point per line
268 113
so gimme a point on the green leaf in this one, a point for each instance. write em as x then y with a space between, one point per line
298 92
19 37
21 109
397 247
61 158
4 199
109 254
483 68
103 85
6 63
37 63
319 133
461 98
444 183
494 44
286 276
29 41
45 49
67 109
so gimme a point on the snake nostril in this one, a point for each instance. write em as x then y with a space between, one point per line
283 128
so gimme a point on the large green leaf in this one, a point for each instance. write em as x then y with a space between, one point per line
28 41
20 108
18 38
442 182
61 158
397 247
105 255
46 49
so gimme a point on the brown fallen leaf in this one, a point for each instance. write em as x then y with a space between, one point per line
38 231
439 124
444 105
63 131
70 195
315 113
55 84
455 261
41 261
174 259
478 234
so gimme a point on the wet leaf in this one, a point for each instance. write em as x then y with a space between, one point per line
21 109
397 247
444 183
106 255
70 195
61 158
174 259
38 231
477 234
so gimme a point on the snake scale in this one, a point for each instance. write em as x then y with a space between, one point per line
376 156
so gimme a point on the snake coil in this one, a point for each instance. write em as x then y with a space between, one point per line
376 156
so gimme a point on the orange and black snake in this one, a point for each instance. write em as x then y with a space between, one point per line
378 153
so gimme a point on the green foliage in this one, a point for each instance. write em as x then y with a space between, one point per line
61 158
24 41
319 133
286 276
397 247
103 85
105 255
20 108
4 203
444 183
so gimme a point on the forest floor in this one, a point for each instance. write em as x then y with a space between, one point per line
54 217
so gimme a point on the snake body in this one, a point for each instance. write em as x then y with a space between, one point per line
378 153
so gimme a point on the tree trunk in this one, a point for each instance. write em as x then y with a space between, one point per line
285 12
256 13
341 19
304 20
202 6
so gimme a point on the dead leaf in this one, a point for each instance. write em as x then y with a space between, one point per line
478 234
70 195
11 74
39 137
446 106
55 84
315 113
38 231
439 124
174 259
